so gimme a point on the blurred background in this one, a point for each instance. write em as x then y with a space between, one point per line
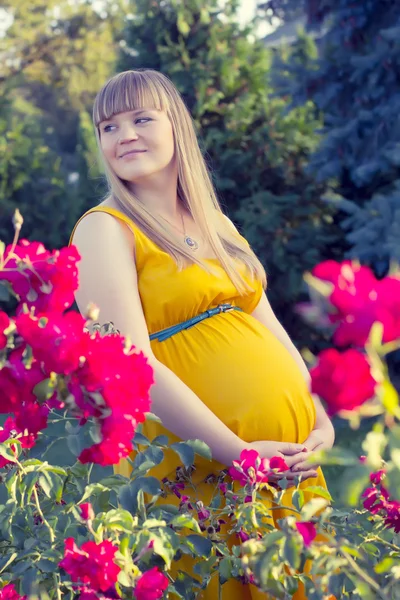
296 103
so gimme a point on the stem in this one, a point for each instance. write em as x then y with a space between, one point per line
45 522
364 576
57 586
375 538
37 503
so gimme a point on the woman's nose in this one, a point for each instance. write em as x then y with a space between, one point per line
127 134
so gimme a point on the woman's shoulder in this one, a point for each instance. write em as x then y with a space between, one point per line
105 207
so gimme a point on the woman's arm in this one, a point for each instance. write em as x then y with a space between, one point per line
266 316
108 277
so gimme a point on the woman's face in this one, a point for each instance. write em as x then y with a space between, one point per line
138 144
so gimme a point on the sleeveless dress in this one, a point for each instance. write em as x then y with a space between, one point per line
234 364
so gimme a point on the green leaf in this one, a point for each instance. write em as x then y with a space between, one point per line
160 440
74 444
187 521
128 494
318 491
312 507
298 499
152 417
225 570
165 544
46 565
201 545
119 519
93 489
185 453
7 453
389 397
291 552
200 448
52 485
6 561
385 565
139 438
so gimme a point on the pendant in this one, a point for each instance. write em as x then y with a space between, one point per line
193 245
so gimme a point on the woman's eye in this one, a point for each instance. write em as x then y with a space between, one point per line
107 128
143 119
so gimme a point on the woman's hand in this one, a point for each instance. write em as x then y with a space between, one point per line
317 440
292 453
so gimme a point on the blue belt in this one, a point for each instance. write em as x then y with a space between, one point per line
164 334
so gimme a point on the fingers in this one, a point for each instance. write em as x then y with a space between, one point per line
304 466
307 474
296 459
290 449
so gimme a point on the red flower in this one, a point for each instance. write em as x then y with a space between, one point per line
4 324
307 531
92 564
8 592
87 512
42 279
151 585
343 380
252 469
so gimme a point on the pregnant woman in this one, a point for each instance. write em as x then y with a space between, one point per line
157 253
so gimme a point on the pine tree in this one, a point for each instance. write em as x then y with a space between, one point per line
354 82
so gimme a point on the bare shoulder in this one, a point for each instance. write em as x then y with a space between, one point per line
99 228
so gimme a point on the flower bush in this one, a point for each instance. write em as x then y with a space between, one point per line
64 534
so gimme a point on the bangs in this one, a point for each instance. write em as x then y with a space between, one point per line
128 91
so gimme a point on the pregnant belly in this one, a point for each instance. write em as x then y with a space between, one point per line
244 375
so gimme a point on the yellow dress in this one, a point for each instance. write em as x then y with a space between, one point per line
234 364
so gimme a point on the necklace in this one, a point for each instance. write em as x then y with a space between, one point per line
189 241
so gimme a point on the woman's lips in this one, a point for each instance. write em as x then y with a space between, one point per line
132 153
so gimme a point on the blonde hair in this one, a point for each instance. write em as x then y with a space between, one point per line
130 90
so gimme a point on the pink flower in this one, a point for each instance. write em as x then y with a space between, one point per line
4 324
375 499
58 341
252 469
307 531
392 517
377 477
343 380
92 564
243 536
360 300
17 383
151 585
8 592
87 512
42 279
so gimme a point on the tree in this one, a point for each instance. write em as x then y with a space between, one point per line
354 83
54 63
255 154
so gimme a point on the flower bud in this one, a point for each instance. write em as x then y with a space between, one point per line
87 512
17 220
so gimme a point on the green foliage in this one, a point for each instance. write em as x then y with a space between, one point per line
353 82
56 64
